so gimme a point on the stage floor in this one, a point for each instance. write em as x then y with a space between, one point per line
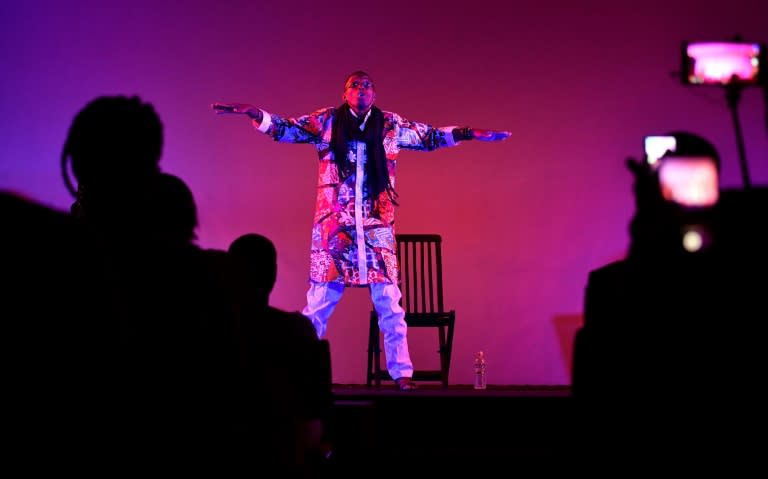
357 391
447 428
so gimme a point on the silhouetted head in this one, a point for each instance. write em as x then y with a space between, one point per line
691 144
172 209
675 198
687 173
254 260
113 140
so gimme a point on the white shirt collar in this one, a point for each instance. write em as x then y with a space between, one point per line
362 125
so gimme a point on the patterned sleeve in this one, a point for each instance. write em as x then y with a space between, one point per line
417 136
303 129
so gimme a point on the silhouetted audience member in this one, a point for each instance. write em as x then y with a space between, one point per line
280 350
50 360
172 215
168 322
670 336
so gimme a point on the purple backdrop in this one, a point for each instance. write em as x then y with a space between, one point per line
578 84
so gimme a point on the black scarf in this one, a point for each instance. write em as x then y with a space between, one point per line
345 128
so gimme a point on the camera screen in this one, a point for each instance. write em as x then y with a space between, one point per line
721 63
689 181
656 146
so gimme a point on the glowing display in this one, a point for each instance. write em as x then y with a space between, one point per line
723 62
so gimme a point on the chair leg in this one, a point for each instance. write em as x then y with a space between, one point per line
374 351
448 349
369 370
377 360
443 356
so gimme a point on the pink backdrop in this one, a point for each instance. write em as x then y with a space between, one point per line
578 83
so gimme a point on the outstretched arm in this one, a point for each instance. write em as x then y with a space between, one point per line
238 109
418 136
467 133
304 129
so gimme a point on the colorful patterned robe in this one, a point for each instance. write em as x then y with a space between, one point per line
353 240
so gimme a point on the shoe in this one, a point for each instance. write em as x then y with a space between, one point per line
404 384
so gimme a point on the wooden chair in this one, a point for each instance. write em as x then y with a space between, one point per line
421 283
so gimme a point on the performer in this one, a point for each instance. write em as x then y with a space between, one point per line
353 238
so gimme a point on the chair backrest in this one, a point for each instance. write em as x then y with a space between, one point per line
421 272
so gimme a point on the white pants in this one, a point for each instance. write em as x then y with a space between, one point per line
322 298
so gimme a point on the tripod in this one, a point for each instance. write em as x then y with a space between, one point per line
733 95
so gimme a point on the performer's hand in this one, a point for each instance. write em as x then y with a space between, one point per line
233 108
490 135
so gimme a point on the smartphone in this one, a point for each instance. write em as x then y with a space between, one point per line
690 181
656 146
723 63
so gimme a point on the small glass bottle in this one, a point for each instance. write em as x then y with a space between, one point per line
480 370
